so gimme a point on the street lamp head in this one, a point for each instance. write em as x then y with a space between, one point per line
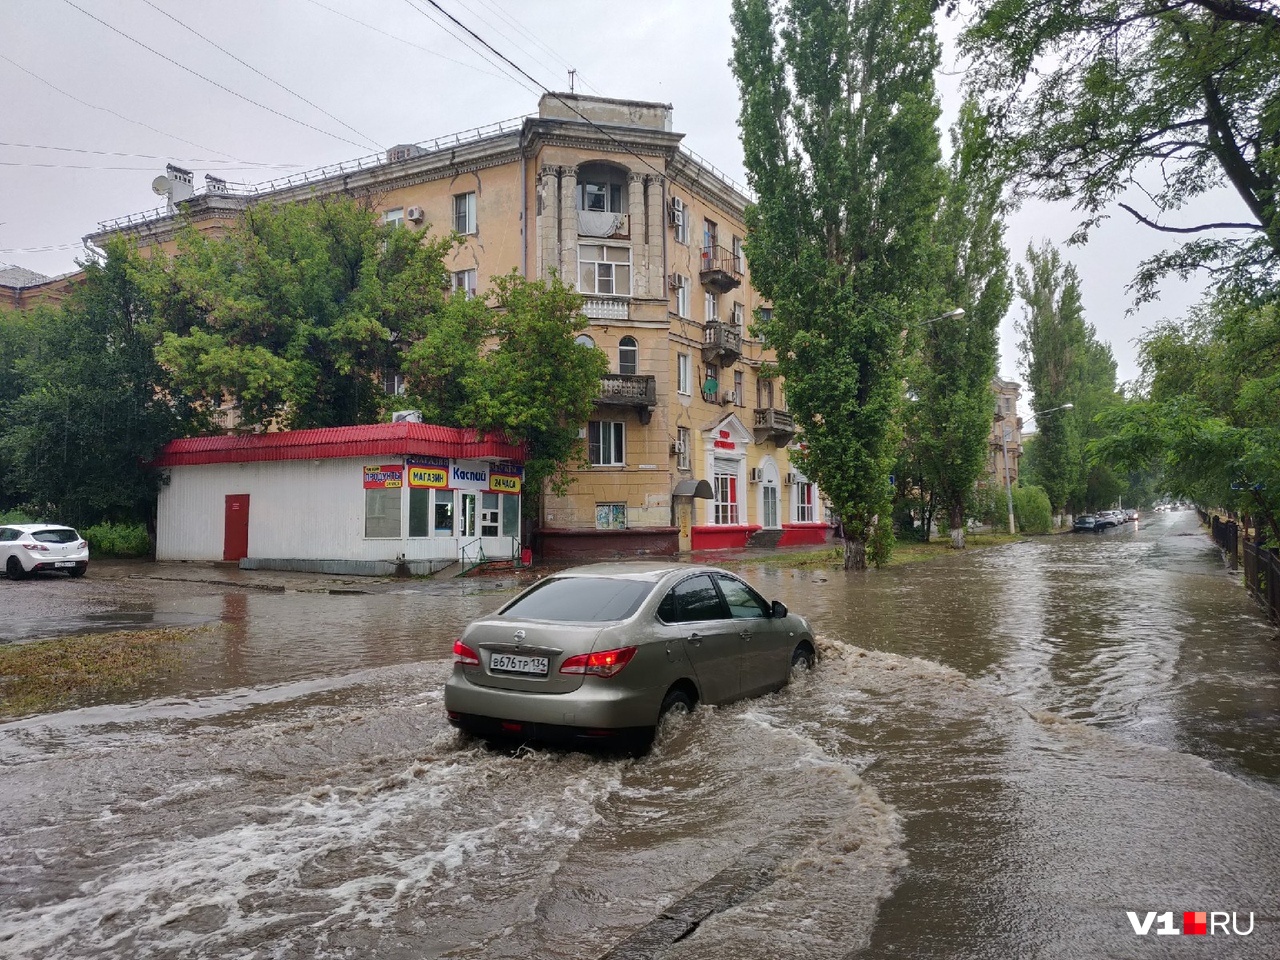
955 314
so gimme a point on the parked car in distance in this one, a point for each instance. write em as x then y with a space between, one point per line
602 652
1131 514
1104 519
26 548
1085 522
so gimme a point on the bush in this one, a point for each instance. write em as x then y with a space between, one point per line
1031 510
15 516
118 540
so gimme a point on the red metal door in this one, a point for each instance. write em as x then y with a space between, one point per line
235 531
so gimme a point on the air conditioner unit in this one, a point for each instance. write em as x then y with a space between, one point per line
678 448
757 475
675 212
792 478
407 416
673 281
414 214
582 433
730 396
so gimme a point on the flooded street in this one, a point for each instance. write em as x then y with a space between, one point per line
1000 755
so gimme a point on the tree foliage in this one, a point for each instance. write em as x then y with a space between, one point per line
949 423
1064 363
838 122
297 311
1208 418
94 406
1182 96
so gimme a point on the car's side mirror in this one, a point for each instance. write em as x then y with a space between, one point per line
779 610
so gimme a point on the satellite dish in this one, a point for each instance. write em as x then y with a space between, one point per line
161 186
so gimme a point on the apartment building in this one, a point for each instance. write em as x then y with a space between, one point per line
1004 447
690 445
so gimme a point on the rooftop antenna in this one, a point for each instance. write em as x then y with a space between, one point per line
571 74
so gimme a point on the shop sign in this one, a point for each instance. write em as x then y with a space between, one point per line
506 478
725 441
468 475
389 476
429 472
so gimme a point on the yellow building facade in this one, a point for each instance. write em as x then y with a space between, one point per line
689 446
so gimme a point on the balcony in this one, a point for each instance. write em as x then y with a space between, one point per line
776 425
721 271
599 307
721 344
629 390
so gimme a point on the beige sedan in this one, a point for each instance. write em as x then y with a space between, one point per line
602 652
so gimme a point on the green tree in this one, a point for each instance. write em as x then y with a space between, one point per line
532 380
1207 419
95 406
838 122
950 420
1180 95
298 310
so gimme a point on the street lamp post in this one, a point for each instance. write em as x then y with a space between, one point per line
1004 447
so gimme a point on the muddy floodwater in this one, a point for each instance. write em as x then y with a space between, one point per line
1003 754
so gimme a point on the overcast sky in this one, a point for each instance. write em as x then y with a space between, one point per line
91 116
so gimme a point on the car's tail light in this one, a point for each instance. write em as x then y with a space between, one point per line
82 544
37 546
465 655
605 663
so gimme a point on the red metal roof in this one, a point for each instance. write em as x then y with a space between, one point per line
371 440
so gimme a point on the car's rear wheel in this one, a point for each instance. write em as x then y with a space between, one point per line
677 702
14 569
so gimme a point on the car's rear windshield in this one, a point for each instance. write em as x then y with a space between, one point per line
56 535
581 599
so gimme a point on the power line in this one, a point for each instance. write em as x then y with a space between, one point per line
472 47
148 156
121 116
90 166
223 87
520 28
408 43
248 66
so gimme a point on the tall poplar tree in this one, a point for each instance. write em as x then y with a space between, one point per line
839 132
951 382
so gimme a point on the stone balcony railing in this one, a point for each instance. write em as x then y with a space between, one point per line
777 425
599 307
721 343
629 390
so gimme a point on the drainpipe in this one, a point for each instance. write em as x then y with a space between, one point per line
524 215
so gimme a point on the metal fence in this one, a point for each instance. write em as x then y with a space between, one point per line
1262 577
1226 534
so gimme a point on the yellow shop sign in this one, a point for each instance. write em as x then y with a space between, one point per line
504 483
428 477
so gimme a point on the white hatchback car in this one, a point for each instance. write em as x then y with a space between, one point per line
28 547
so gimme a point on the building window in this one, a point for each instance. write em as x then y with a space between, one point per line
627 354
583 340
770 497
711 385
709 233
684 374
804 502
600 197
682 296
382 513
442 513
394 218
489 515
766 314
510 515
605 443
393 384
739 397
711 305
726 492
680 220
604 270
465 280
684 447
739 261
464 212
611 516
736 317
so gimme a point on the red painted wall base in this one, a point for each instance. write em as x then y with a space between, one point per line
721 536
805 534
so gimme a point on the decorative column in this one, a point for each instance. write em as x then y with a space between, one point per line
569 225
657 222
548 228
640 285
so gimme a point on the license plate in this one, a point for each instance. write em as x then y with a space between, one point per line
511 663
65 563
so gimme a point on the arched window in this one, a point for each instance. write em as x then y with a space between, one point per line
583 340
627 355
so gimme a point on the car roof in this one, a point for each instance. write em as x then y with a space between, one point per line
650 570
35 527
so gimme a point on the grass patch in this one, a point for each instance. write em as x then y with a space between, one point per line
44 675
